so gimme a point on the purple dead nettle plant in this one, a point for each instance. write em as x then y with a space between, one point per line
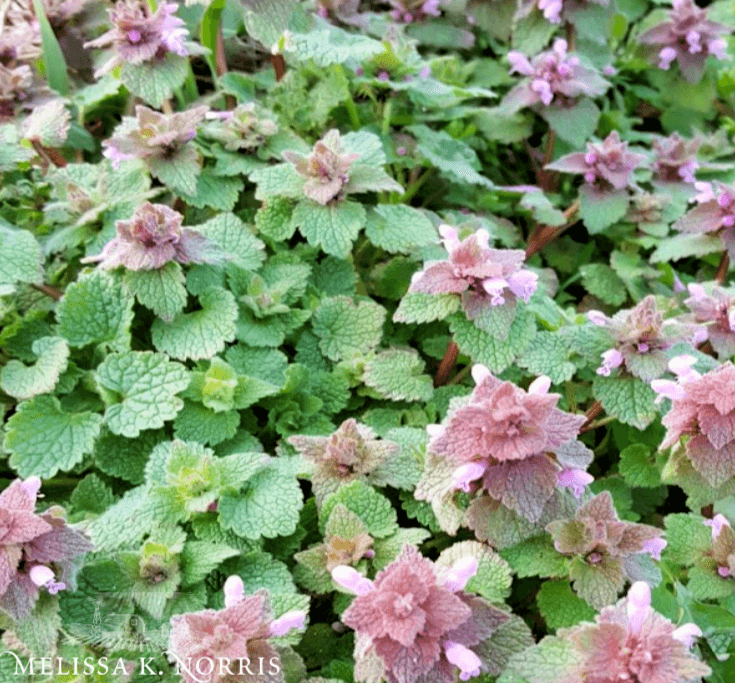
408 11
703 413
631 642
229 643
326 169
352 453
515 446
482 276
604 550
639 339
675 159
553 76
714 213
36 549
606 167
722 556
155 138
556 11
136 37
152 238
713 310
245 127
687 37
413 626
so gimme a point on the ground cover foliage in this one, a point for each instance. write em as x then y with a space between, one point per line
372 341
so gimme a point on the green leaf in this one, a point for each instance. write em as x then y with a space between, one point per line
334 277
155 81
43 439
96 309
92 495
487 350
21 259
542 209
688 538
180 172
398 374
684 245
560 607
196 422
602 281
22 382
532 33
599 210
398 228
628 399
510 638
333 46
706 584
387 549
235 239
53 58
418 307
268 507
140 388
199 558
273 219
162 289
266 20
536 556
214 191
553 659
126 458
453 158
575 125
637 467
373 509
203 333
280 180
346 329
208 28
598 584
548 354
334 227
493 577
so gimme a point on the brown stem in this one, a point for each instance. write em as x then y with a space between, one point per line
550 142
544 234
52 156
571 37
445 367
220 60
722 268
708 511
48 290
592 412
279 66
461 374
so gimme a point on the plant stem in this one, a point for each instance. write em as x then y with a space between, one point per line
51 156
461 374
550 142
412 189
279 66
544 234
722 268
445 367
387 112
592 412
48 290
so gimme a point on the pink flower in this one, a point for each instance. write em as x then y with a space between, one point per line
482 276
551 75
138 38
675 159
409 11
575 479
632 642
351 453
239 631
503 435
654 546
34 548
706 414
417 627
610 359
715 312
689 37
606 167
152 238
718 522
326 170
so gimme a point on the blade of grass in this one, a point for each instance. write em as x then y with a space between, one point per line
54 63
208 30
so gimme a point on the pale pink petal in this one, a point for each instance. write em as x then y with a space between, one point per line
611 359
287 622
687 633
465 474
234 590
463 658
479 373
697 291
665 388
681 366
654 546
540 385
519 63
639 605
717 523
460 573
435 431
523 284
32 486
575 479
352 580
41 575
597 318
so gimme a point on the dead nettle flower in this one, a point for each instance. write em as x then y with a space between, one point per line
240 631
325 169
417 626
647 209
715 213
515 442
675 159
137 38
630 642
722 556
689 38
605 167
245 127
639 338
408 11
35 549
153 136
703 410
352 453
152 238
604 550
552 75
484 277
344 10
16 84
715 312
555 11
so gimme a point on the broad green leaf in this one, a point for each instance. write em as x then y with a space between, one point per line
560 607
162 290
637 466
334 227
418 307
373 509
20 256
493 577
346 329
600 210
548 354
398 374
155 81
235 239
398 228
629 399
602 281
22 382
